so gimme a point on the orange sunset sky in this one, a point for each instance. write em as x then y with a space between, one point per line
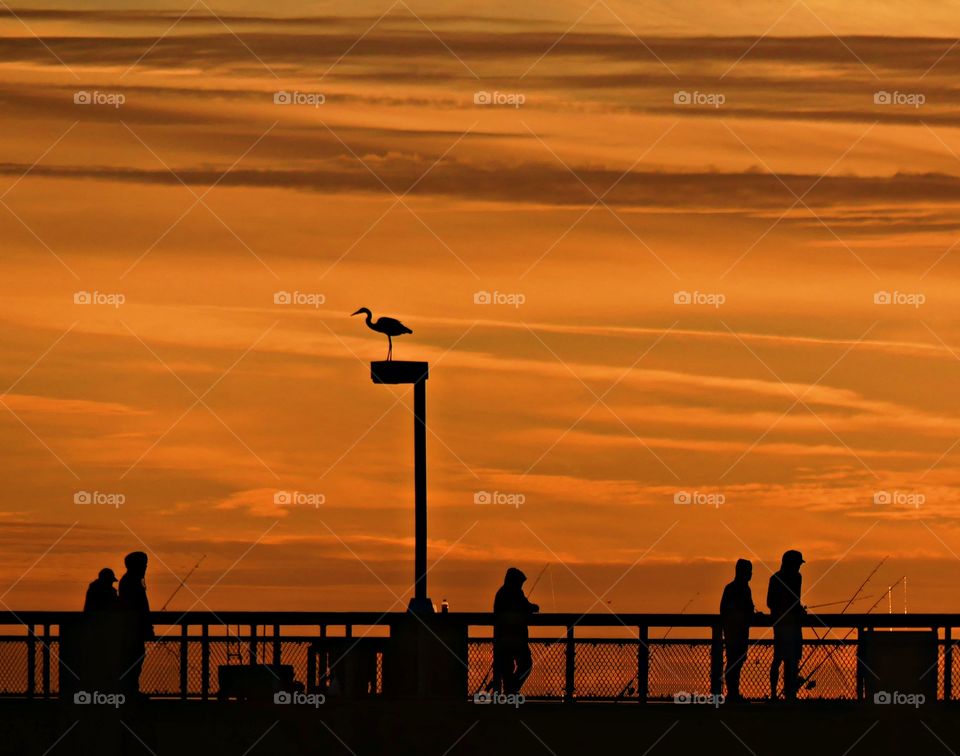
784 163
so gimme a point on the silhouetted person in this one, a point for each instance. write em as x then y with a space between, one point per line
101 643
736 613
101 595
512 662
786 614
134 602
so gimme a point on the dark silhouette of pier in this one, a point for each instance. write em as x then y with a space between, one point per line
610 657
350 672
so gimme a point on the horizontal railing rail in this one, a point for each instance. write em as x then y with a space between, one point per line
595 656
598 619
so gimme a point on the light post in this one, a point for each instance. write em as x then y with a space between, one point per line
397 372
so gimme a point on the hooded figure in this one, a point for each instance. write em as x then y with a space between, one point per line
101 649
512 662
786 613
101 595
736 612
133 599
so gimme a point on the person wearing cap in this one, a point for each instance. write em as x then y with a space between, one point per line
786 614
101 595
736 613
512 661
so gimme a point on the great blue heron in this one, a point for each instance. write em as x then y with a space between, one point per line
390 327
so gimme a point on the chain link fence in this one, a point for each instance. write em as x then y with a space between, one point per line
604 669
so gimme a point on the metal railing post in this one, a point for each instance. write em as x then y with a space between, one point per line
716 660
861 635
205 662
31 661
570 667
184 650
312 669
277 651
253 645
45 657
948 663
643 664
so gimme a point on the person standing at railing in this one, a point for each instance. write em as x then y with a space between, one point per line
736 613
134 602
786 614
99 653
101 595
512 661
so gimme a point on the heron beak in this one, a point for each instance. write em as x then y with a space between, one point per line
356 313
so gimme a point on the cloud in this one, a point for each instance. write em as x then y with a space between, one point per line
749 192
51 405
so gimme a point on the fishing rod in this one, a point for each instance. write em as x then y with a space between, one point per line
810 684
628 688
182 583
864 583
842 601
536 582
847 605
690 601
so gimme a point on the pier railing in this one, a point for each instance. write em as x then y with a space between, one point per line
600 656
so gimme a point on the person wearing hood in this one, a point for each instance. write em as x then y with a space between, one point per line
134 601
786 615
736 614
512 662
101 595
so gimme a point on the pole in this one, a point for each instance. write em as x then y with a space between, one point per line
716 660
391 372
420 602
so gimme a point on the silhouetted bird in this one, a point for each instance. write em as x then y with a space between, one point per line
390 327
